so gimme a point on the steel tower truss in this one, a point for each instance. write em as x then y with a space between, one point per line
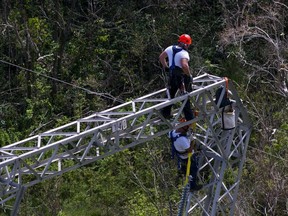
76 144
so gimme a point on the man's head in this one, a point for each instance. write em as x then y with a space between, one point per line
185 40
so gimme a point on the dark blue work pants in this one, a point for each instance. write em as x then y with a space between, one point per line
193 168
176 80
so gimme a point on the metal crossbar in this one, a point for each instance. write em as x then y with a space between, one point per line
68 147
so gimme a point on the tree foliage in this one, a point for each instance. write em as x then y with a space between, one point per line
61 60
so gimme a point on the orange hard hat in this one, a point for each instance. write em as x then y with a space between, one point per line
185 38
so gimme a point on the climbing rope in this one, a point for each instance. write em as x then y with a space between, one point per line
186 189
193 126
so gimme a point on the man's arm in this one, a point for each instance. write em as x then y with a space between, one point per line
191 146
185 66
162 59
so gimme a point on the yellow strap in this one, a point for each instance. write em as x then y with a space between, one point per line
190 154
188 167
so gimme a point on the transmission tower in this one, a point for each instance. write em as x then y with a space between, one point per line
76 144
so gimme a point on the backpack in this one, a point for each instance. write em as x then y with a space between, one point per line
225 100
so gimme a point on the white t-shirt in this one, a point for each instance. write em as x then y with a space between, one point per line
180 55
181 144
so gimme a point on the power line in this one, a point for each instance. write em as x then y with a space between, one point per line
105 95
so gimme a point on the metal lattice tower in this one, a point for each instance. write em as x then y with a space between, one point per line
54 152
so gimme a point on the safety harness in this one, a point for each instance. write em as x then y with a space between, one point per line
175 51
174 150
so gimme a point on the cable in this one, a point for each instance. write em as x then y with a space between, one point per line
183 199
105 95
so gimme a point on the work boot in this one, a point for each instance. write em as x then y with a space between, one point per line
166 115
196 188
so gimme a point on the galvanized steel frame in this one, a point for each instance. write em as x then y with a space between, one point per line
104 133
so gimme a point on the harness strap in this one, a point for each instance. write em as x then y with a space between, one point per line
226 83
175 51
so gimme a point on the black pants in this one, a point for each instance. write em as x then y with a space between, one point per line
193 168
176 80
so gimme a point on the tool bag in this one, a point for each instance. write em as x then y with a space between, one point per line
228 118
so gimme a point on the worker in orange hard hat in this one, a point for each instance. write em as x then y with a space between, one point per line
180 76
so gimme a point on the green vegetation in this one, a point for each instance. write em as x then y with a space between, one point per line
54 52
